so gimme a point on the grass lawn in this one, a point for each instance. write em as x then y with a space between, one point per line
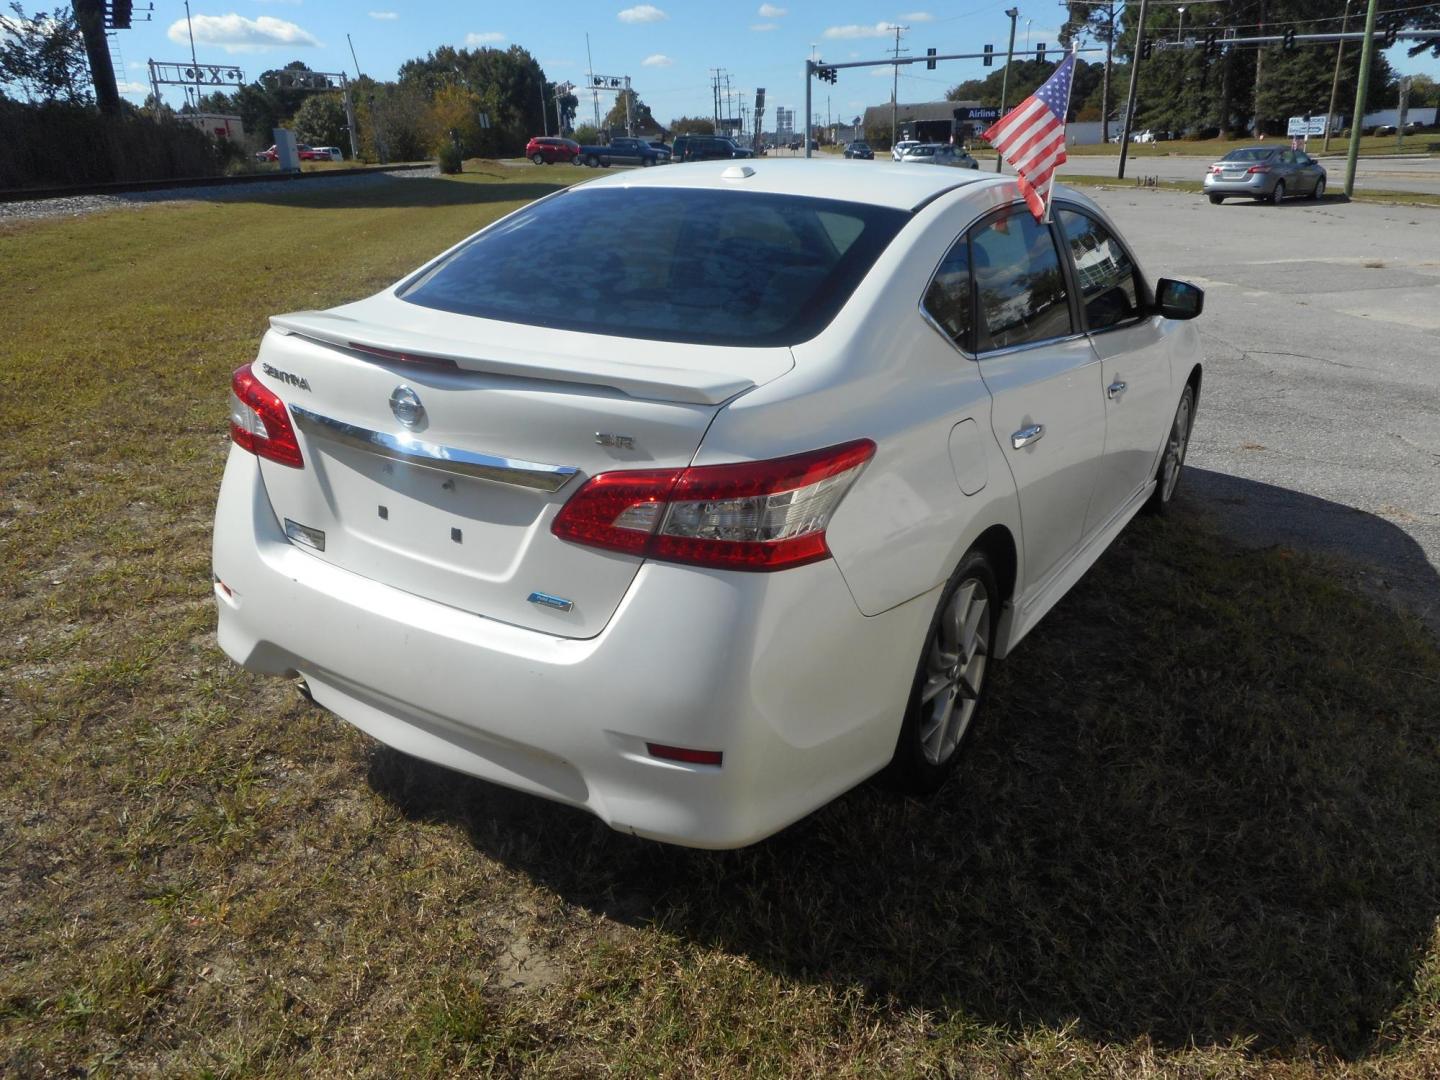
1196 833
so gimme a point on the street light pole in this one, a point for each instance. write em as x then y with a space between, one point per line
1014 14
1134 84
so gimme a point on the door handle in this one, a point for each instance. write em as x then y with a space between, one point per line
1115 389
1027 435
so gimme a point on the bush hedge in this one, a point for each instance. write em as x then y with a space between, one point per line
54 144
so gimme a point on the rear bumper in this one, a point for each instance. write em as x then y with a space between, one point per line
781 672
1253 186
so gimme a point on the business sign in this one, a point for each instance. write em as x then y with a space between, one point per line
976 114
1305 126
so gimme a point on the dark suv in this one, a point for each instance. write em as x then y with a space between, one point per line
707 148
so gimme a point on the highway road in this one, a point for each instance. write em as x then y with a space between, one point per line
1418 174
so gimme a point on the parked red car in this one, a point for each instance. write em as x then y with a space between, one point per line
548 150
307 153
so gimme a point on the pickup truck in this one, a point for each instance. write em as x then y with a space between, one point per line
624 151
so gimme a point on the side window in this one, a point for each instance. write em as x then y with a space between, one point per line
947 300
1019 285
1109 285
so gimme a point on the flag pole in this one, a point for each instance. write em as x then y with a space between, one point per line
1064 120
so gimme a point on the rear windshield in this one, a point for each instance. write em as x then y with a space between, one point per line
1254 153
690 265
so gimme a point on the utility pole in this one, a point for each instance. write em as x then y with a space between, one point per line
90 18
1259 72
544 116
1105 84
1362 91
594 93
895 81
1334 82
1134 83
1014 14
809 72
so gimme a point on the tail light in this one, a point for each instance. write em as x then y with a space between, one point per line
259 421
1216 169
1258 169
760 515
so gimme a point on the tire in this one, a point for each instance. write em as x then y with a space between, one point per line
1319 192
1216 200
592 161
949 687
1278 195
538 158
1172 454
645 163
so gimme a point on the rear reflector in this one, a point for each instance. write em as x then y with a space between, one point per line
680 753
259 421
759 515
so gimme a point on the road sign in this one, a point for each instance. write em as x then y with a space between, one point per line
977 113
1305 126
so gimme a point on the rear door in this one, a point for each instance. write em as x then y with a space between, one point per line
1044 378
1130 341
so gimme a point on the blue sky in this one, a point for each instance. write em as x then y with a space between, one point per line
667 47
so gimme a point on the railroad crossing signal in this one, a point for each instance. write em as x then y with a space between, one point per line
930 63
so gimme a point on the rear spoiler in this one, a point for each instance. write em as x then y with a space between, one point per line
638 380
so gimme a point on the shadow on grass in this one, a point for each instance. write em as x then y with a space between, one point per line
1201 806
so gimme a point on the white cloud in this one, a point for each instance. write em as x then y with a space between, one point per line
489 37
385 16
917 16
130 86
642 13
770 11
657 60
235 33
853 30
764 26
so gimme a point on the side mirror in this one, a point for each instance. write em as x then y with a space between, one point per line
1179 299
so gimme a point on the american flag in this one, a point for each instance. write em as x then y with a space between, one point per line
1031 137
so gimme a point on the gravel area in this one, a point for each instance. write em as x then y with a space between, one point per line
75 205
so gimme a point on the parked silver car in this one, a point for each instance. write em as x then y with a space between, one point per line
1265 173
939 154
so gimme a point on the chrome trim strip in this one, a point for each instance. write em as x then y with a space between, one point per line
428 455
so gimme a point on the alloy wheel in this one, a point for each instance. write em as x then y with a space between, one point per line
1175 447
954 671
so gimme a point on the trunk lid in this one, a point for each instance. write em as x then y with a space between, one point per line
456 505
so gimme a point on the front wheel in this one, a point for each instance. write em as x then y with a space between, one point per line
1319 192
645 163
950 680
538 158
592 161
1278 195
1172 457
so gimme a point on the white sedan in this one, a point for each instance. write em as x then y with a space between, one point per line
699 542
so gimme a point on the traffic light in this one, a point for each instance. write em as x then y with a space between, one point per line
1040 52
823 73
1290 38
120 14
1146 50
1210 43
989 55
1391 33
930 63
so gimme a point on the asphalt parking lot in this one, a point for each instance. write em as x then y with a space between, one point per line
1319 423
1400 173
